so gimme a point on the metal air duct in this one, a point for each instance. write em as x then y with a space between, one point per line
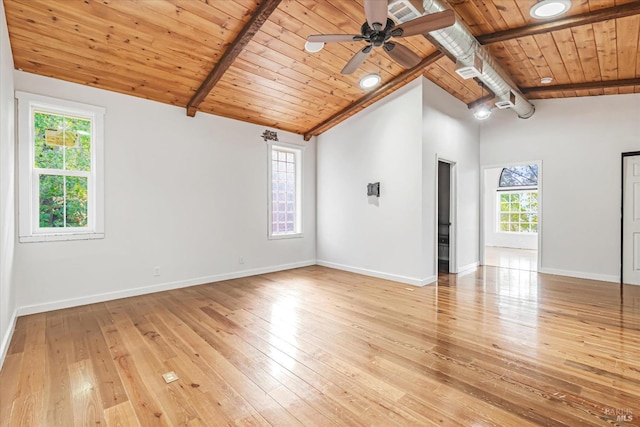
458 41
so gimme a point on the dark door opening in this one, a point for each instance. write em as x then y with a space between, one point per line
444 216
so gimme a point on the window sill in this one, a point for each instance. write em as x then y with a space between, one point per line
286 236
60 237
520 233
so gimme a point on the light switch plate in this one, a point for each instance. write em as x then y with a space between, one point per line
170 377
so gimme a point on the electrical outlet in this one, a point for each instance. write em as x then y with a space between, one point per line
156 271
241 260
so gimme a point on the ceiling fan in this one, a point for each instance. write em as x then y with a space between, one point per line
377 30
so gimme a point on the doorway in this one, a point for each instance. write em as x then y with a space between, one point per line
511 216
445 200
631 218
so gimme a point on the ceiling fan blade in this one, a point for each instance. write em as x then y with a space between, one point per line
328 38
376 13
402 54
425 24
356 60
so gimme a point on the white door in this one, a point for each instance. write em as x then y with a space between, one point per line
631 224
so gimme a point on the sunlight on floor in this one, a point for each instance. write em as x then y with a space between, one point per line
520 259
284 328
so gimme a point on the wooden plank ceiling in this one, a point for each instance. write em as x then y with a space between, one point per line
165 50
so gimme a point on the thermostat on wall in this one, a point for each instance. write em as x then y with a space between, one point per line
373 189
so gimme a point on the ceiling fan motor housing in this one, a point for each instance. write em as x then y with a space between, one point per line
377 38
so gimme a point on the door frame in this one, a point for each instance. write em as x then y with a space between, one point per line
453 215
624 155
483 169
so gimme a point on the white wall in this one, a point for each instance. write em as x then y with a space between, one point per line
395 141
7 185
186 194
379 237
580 141
491 235
450 132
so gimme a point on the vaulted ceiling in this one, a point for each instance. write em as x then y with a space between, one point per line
245 59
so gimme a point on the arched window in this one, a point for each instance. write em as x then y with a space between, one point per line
519 176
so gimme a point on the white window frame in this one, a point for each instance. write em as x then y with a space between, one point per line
28 183
298 152
511 190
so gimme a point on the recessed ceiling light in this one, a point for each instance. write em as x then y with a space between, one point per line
482 112
549 8
369 81
313 47
546 80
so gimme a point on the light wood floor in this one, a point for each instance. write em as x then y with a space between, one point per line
521 259
316 346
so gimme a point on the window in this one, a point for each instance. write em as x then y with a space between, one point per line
518 199
285 185
519 176
518 211
60 169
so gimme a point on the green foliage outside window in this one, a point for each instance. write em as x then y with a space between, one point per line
518 212
63 171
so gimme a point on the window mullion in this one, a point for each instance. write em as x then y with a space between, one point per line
45 171
64 201
35 219
64 176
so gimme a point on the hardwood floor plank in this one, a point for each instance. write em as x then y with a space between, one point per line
303 412
173 404
211 399
121 415
27 408
86 400
76 330
335 383
143 401
254 402
57 390
9 390
321 347
108 381
19 335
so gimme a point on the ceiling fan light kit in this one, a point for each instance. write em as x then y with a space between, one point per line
546 9
482 112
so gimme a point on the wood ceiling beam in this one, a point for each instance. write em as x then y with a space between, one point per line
235 48
599 15
362 102
582 86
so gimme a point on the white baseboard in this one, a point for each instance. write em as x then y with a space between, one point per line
468 267
6 337
379 274
580 275
108 296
